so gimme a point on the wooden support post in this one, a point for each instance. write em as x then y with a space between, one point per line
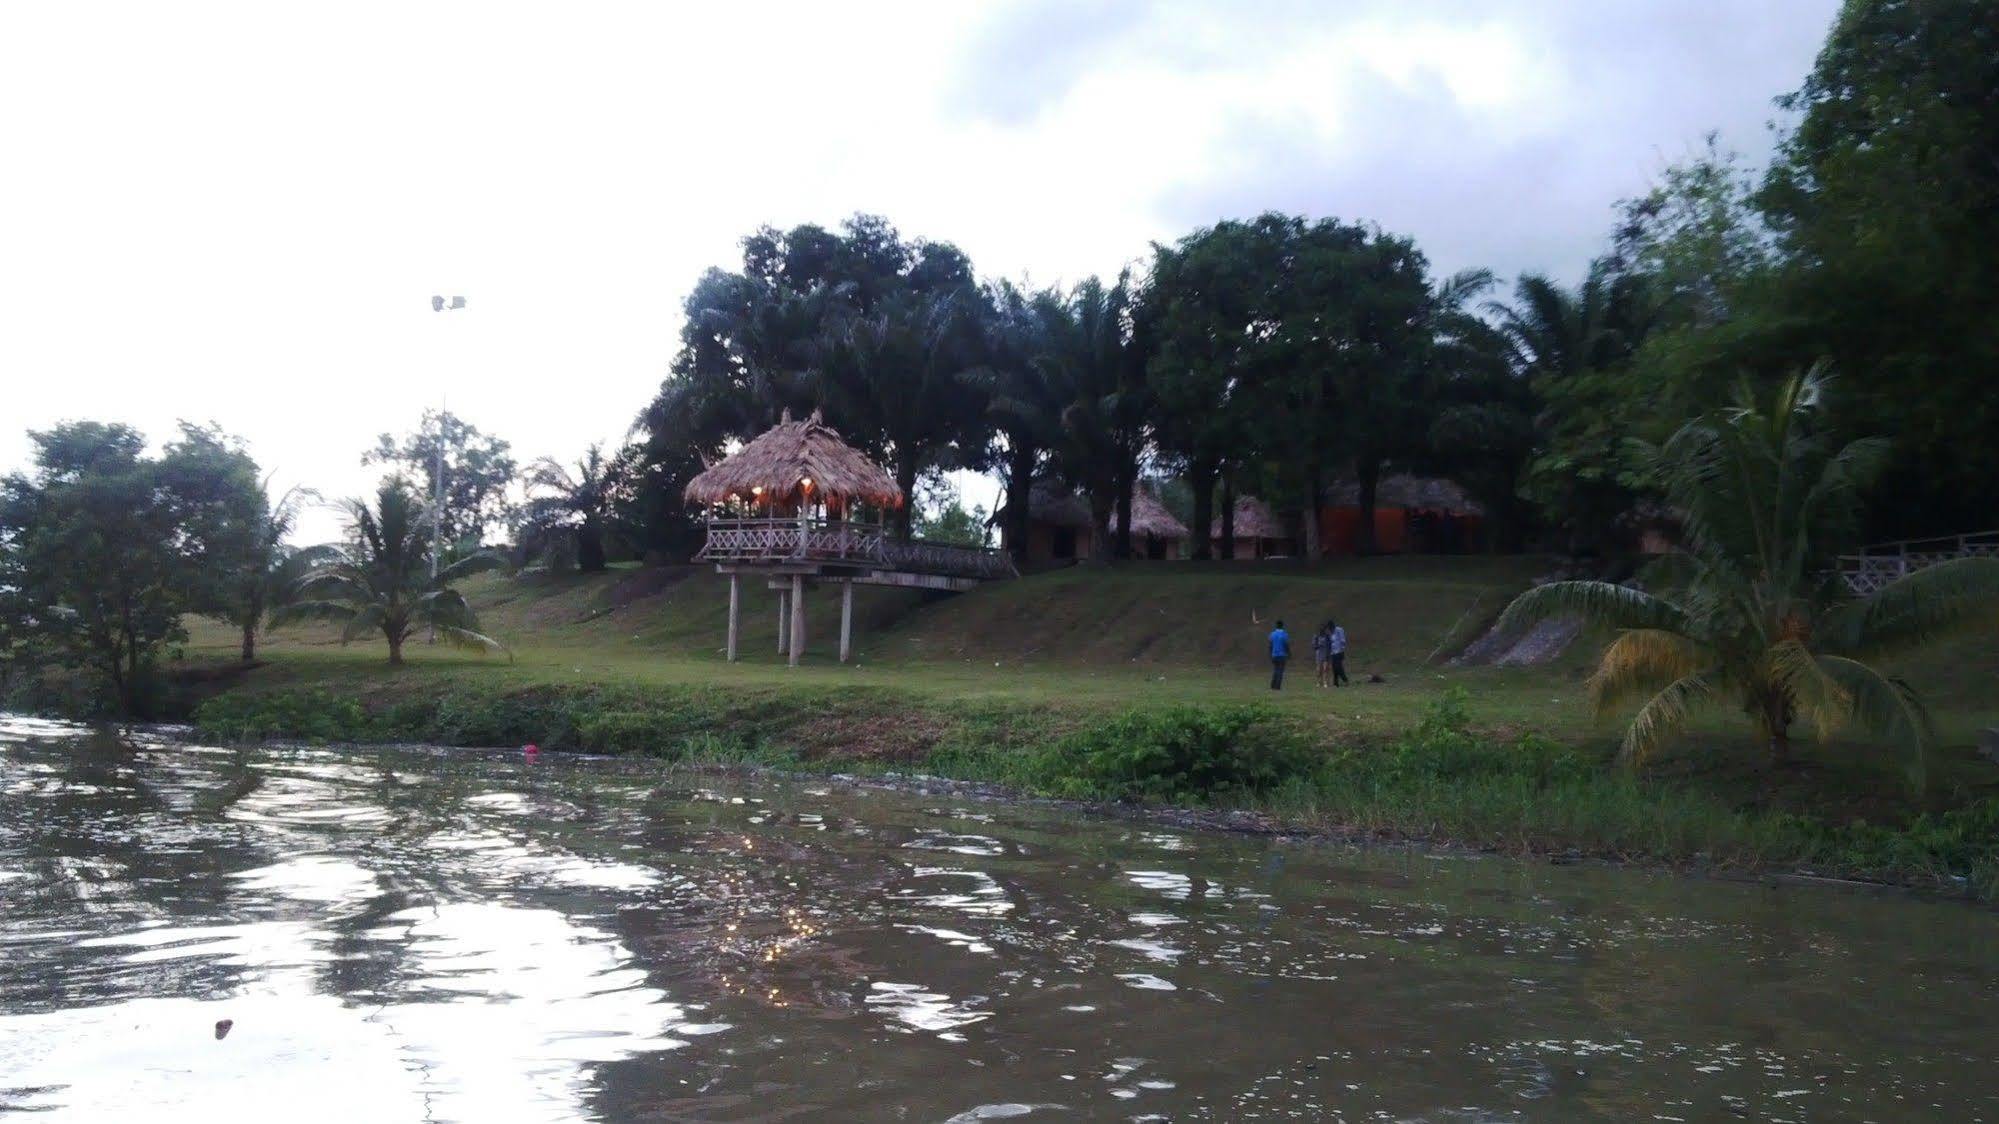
846 618
783 621
735 601
797 617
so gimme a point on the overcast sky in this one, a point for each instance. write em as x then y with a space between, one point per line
238 213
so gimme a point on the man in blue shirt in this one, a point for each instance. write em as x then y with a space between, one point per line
1280 650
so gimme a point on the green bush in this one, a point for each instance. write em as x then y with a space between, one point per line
1185 753
317 716
626 731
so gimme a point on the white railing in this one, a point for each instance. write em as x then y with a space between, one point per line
1882 563
775 541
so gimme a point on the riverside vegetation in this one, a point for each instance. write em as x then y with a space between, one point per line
1081 707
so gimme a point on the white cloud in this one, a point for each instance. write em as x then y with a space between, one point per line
239 212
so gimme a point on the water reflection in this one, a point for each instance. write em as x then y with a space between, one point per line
409 935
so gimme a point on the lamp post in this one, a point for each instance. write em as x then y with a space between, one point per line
438 304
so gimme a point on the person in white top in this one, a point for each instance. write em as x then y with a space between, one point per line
1336 647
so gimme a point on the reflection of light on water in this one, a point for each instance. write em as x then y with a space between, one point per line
962 940
1153 950
1146 982
986 899
915 1007
1168 883
956 844
318 878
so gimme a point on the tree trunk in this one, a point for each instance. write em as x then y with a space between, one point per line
1368 473
395 650
1102 502
1777 717
1312 492
1019 489
1228 512
590 547
1201 476
1127 484
905 478
249 641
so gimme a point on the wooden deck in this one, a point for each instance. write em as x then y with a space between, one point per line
794 553
1878 565
861 551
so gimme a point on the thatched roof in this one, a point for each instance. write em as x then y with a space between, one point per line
1047 503
775 467
1253 520
1411 492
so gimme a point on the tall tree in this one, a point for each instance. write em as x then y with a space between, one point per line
1886 195
478 470
1215 298
379 580
1022 401
576 503
267 569
898 374
103 549
1098 369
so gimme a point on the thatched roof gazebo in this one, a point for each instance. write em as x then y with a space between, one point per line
796 465
783 506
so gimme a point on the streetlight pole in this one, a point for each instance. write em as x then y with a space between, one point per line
439 304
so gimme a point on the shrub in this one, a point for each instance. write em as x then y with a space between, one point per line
1185 753
304 715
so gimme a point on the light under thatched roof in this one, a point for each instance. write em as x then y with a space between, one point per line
794 461
1253 520
1409 492
1047 503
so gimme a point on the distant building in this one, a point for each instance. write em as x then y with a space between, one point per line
1412 515
1259 533
1059 528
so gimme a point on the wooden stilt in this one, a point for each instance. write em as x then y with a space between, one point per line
735 600
783 621
846 619
797 617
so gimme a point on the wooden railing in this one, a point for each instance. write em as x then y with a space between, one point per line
1882 563
841 542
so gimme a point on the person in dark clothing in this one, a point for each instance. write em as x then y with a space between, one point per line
1336 648
1280 651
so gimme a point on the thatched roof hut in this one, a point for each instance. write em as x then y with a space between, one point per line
1403 490
1049 504
793 463
1253 520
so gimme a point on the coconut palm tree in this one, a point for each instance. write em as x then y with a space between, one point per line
379 580
270 571
1753 612
574 501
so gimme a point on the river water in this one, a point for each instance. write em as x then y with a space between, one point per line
415 935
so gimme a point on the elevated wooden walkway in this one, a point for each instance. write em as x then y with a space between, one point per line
792 551
1875 566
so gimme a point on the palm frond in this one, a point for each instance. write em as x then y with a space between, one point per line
1931 604
1664 714
1889 707
478 562
1644 659
313 610
1601 603
1819 697
466 638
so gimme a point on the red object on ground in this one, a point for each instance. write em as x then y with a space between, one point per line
531 751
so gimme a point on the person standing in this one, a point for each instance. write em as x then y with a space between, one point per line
1336 649
1280 651
1322 653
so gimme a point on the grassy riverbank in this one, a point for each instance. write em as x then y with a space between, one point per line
1148 683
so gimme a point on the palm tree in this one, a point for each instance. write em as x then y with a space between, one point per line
1021 404
1098 376
379 580
576 501
1757 614
900 373
268 576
